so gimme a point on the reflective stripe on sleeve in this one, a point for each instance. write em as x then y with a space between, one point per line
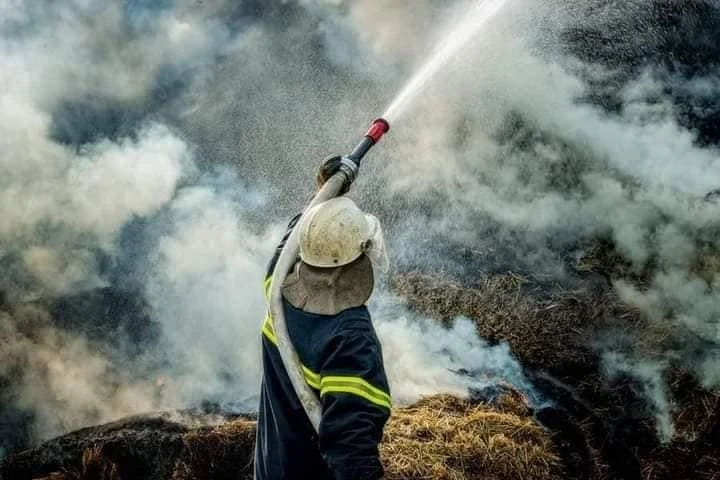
312 378
355 386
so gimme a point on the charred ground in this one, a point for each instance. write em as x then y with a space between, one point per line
440 437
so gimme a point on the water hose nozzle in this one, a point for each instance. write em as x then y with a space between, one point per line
378 128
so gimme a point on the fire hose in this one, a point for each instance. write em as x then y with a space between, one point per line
347 173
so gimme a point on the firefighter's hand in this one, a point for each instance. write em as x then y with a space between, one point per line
327 169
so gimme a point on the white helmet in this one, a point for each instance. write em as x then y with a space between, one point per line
337 232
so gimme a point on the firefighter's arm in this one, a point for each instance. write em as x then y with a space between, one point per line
355 403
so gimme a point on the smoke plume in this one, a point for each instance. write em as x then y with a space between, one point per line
160 147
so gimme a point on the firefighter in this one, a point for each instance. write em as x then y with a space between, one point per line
329 324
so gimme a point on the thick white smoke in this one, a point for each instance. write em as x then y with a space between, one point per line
63 206
205 288
503 143
61 379
424 358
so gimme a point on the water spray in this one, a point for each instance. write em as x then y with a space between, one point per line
347 174
474 20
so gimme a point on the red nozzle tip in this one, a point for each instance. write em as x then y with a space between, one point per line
378 128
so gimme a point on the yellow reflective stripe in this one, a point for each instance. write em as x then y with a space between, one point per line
356 391
356 386
312 378
357 381
267 286
269 331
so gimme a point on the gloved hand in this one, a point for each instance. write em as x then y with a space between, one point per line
328 168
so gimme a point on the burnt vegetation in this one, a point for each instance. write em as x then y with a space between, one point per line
594 427
603 426
440 437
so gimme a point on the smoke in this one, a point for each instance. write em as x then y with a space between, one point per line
205 288
81 163
60 378
160 147
423 357
651 377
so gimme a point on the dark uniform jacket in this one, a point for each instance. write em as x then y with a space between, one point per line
342 362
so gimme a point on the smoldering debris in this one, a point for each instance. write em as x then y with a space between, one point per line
619 407
441 436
